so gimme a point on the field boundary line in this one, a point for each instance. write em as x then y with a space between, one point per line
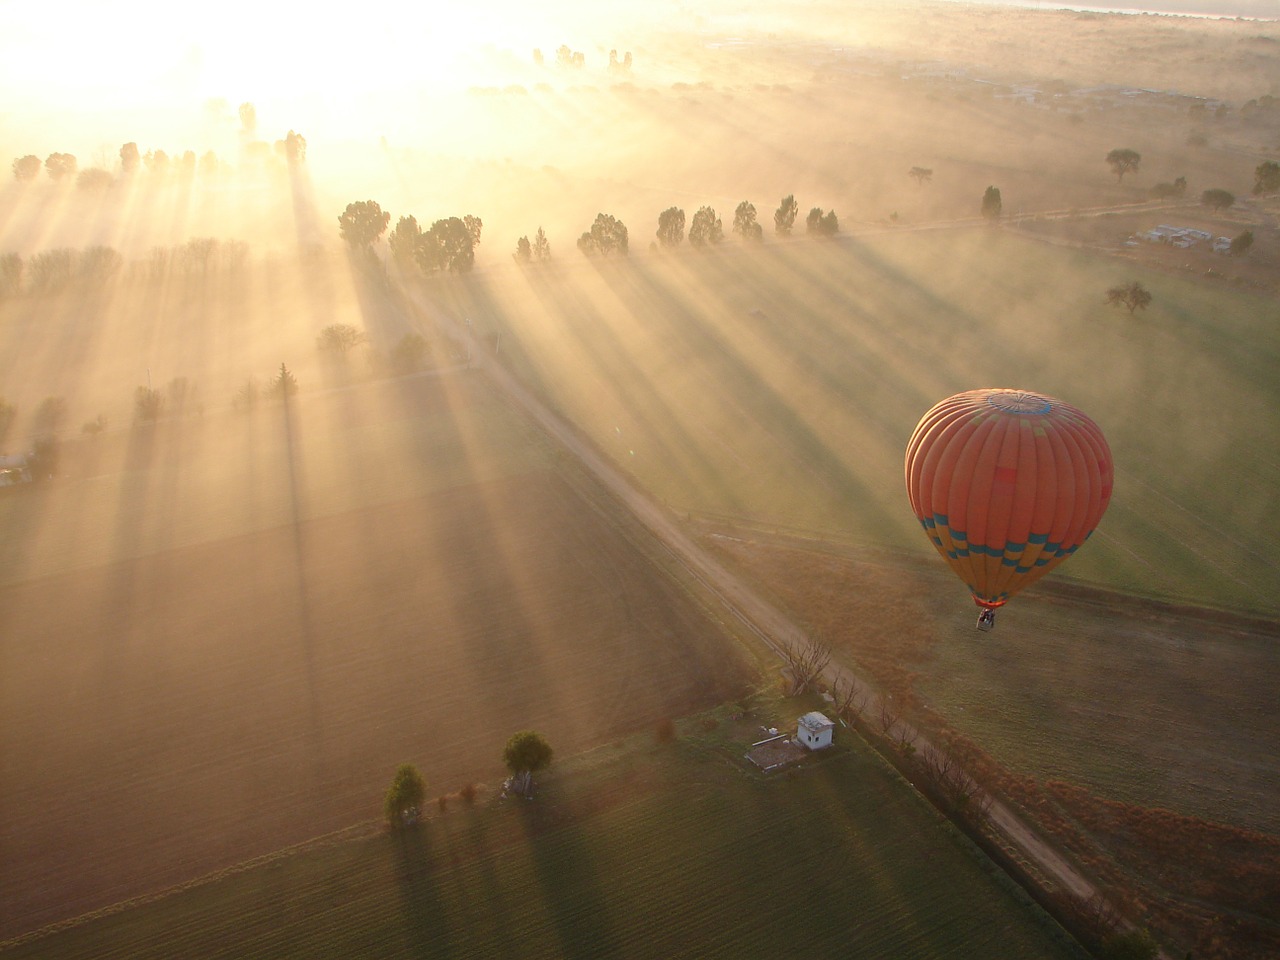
355 831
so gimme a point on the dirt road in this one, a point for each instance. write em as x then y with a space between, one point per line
772 626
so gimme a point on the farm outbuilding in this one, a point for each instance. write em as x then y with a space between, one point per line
814 730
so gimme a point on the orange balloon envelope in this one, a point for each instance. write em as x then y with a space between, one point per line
1007 484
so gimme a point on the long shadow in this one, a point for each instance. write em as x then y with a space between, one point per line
296 485
571 887
426 919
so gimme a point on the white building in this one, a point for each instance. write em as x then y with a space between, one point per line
814 730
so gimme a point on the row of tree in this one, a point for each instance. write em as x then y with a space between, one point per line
53 271
525 754
447 246
63 167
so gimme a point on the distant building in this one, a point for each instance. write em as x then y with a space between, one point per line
814 730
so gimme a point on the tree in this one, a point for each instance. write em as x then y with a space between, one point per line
474 225
921 175
807 660
148 404
404 797
410 354
526 753
541 246
60 166
820 224
156 162
744 222
404 239
784 218
1217 198
1176 189
706 228
1266 177
448 245
362 223
992 205
1122 160
94 180
1132 295
671 227
340 339
284 384
295 148
248 120
607 236
129 157
26 168
1240 245
524 251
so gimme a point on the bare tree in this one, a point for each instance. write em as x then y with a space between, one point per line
807 659
956 788
848 699
921 175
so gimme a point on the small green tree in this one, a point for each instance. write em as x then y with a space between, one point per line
1122 160
526 753
1266 177
822 224
607 236
403 241
541 246
403 801
992 204
705 229
60 166
26 168
1132 295
744 222
362 223
1240 244
921 175
284 384
784 218
670 232
1218 198
129 158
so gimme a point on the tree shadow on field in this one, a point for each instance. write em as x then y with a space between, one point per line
425 920
571 890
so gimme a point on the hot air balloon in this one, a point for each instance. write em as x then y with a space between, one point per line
1007 484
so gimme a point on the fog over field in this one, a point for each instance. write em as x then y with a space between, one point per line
264 270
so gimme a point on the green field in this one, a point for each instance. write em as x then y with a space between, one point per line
632 850
780 386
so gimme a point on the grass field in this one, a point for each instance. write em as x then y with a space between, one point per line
1153 707
220 635
632 850
780 386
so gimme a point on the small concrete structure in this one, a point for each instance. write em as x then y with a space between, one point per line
814 730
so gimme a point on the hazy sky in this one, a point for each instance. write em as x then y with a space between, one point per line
80 74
